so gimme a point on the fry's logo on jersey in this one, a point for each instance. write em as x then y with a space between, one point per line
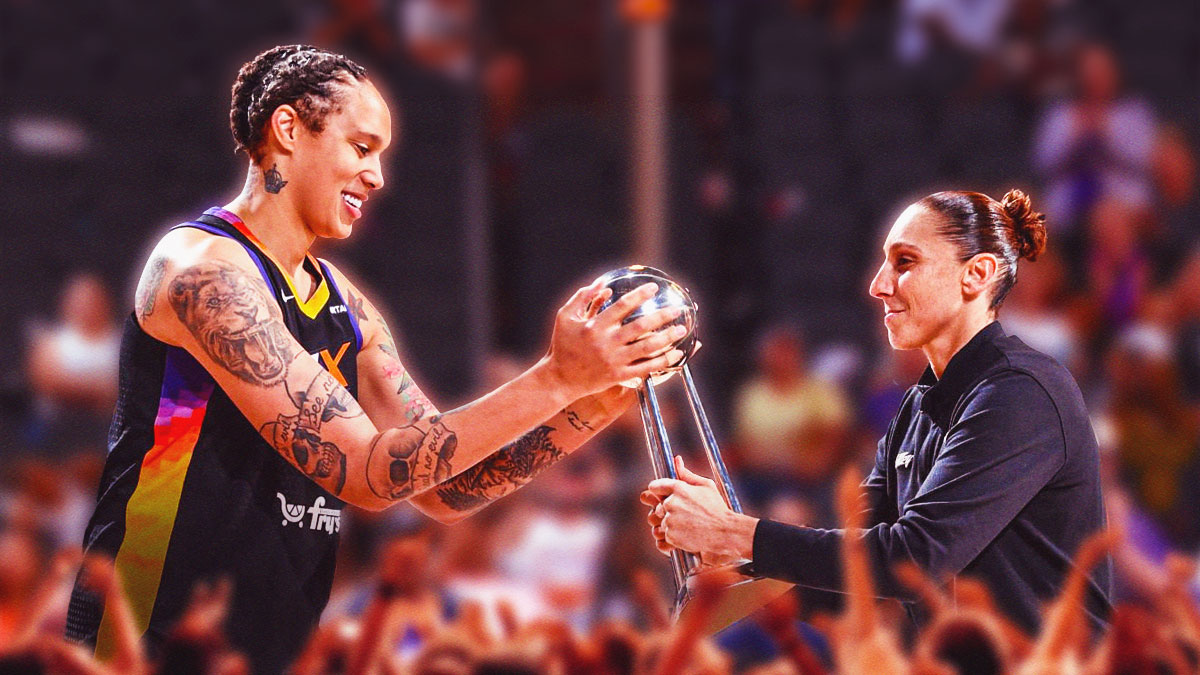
320 518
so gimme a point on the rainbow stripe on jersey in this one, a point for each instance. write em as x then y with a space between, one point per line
150 514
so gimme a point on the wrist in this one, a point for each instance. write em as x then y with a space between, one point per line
548 377
739 533
605 406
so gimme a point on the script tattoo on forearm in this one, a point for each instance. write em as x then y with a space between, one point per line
298 436
406 459
148 289
578 422
235 319
506 470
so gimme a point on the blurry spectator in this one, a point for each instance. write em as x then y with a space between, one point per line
414 592
893 374
1155 434
1174 167
505 107
775 639
1186 297
469 571
968 25
72 371
789 425
1118 266
350 19
54 500
450 654
19 575
558 542
1177 215
1034 312
438 34
1095 145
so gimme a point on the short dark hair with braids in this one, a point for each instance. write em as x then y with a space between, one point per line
302 76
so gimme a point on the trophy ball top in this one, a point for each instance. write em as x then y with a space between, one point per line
670 294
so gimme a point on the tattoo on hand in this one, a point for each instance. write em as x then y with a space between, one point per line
273 180
578 422
298 436
405 459
235 319
148 289
511 467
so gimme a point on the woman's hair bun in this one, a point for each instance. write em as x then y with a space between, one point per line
1029 226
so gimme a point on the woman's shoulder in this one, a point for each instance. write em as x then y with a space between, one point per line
1027 371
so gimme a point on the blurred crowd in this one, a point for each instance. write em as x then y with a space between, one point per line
403 617
799 128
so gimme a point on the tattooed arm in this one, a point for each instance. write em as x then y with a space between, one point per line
386 389
209 299
390 397
516 464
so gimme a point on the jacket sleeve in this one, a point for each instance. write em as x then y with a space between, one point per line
1005 446
882 507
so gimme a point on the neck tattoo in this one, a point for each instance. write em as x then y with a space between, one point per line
274 181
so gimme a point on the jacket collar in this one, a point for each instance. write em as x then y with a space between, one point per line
965 367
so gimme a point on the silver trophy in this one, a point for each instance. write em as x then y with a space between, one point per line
749 592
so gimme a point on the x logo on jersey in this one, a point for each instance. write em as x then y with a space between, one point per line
331 363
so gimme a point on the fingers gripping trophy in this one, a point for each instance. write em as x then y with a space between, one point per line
744 592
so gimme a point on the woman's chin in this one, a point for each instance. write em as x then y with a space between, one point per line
899 341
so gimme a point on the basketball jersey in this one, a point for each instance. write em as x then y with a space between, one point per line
191 492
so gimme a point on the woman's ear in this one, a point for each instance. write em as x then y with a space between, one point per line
979 274
283 127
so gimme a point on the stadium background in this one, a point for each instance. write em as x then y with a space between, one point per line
796 130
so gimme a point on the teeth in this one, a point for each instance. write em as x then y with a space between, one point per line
352 200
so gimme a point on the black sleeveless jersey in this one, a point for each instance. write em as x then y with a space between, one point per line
191 492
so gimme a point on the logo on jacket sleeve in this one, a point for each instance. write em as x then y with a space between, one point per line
904 460
319 517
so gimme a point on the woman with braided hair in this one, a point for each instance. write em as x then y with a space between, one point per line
990 468
260 391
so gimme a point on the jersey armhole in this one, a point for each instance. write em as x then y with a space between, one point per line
349 311
221 233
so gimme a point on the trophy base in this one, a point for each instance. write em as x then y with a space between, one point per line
736 601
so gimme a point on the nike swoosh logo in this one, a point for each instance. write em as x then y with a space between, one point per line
288 297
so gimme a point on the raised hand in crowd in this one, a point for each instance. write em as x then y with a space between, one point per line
1063 644
864 645
778 618
101 577
960 638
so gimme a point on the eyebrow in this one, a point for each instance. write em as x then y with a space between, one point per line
902 244
374 139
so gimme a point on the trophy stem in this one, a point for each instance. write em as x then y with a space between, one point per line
709 441
659 446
